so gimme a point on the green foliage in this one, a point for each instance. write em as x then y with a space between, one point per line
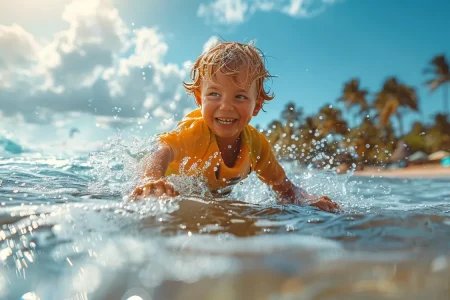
430 139
326 141
440 69
416 143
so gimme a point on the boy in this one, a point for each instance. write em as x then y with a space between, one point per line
216 140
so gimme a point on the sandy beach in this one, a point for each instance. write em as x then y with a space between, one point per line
420 171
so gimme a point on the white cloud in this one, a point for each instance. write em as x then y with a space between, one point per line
211 42
18 51
19 47
98 66
224 11
235 12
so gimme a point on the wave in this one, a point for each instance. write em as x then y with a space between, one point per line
11 147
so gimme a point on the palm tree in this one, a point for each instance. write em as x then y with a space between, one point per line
415 139
438 135
307 130
371 145
307 134
292 115
439 67
352 95
418 128
329 120
392 99
441 122
275 132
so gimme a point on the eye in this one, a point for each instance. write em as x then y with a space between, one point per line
241 97
213 94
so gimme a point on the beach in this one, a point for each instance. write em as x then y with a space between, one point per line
415 171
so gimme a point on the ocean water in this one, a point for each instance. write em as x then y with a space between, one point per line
67 232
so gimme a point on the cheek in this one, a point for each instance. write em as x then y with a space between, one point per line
207 109
251 108
248 112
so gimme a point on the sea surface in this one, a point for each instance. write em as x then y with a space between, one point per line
67 231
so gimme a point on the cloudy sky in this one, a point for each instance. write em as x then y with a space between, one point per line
104 65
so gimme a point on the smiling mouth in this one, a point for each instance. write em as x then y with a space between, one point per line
226 120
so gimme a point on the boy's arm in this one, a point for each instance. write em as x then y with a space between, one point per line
155 166
290 193
156 163
270 171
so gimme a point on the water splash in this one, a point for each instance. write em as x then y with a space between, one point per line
74 227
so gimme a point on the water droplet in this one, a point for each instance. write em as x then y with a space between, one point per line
29 296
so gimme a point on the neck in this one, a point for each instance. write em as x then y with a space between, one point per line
229 154
224 144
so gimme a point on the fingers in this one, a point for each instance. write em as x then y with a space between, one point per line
136 193
332 207
329 206
170 190
154 188
163 188
326 204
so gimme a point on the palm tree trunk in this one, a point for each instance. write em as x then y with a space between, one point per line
446 109
400 124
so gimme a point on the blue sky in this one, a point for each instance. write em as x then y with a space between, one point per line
312 46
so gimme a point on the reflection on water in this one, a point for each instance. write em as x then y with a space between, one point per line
63 236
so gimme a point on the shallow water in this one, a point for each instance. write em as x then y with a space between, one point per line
67 233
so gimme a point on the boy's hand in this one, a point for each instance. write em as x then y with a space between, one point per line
291 193
323 203
157 188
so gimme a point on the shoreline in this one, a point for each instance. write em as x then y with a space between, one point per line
418 171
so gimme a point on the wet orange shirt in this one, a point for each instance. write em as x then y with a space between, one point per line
196 153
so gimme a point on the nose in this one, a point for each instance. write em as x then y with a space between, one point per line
226 103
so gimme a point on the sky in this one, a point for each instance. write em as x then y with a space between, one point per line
116 66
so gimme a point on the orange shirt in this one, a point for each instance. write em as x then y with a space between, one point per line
196 153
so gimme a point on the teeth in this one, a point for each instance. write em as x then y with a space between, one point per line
225 121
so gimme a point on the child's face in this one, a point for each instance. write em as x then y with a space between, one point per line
228 105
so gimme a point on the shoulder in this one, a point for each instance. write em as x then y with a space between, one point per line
192 119
189 134
253 137
192 125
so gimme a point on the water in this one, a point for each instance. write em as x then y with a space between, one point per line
67 233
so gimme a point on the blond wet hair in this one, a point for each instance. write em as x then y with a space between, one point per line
230 58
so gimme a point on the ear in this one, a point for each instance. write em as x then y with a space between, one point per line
258 106
198 97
